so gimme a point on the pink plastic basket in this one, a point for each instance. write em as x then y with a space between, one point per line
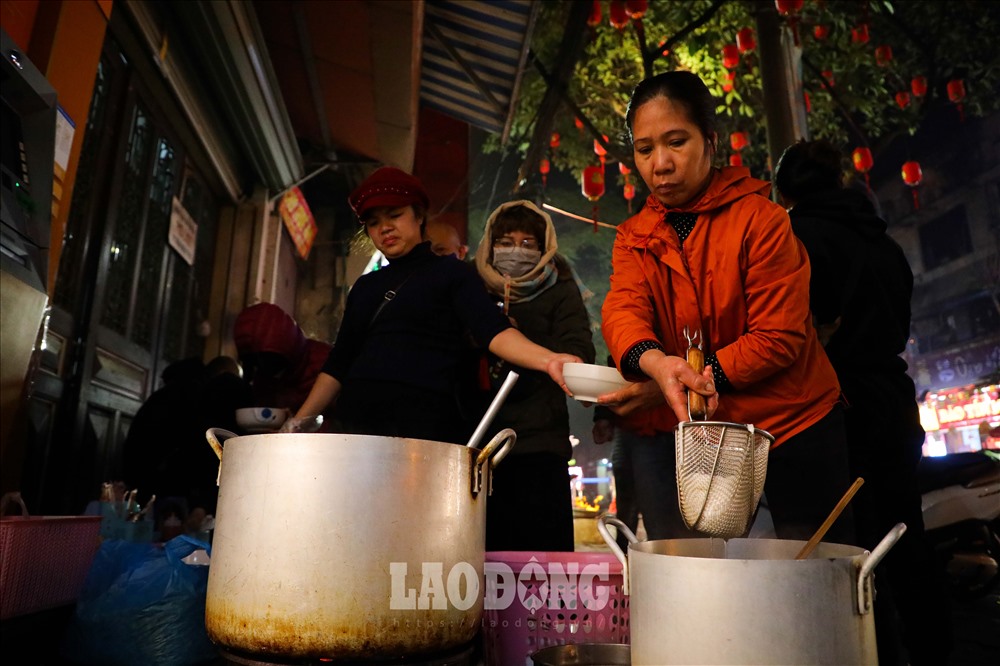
554 599
44 561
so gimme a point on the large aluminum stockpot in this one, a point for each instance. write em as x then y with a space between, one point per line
348 546
749 601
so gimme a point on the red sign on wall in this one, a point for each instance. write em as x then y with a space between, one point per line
298 220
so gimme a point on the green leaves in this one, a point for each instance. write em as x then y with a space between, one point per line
939 40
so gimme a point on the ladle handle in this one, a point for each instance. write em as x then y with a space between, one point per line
494 407
837 510
697 407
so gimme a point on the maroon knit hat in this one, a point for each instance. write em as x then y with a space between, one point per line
387 186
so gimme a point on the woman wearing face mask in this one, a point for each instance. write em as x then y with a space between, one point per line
393 370
531 505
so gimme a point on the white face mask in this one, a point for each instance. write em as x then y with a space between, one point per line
515 261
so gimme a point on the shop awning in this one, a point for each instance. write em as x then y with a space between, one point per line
473 56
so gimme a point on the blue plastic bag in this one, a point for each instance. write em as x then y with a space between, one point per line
141 605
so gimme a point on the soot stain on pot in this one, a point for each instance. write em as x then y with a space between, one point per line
326 637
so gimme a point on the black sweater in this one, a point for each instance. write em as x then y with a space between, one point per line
419 336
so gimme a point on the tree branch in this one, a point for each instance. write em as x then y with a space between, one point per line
651 56
612 148
836 100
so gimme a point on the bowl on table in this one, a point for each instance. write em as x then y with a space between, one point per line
256 420
587 381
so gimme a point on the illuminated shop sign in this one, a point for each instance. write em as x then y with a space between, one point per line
962 409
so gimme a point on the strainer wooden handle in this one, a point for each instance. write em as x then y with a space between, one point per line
697 407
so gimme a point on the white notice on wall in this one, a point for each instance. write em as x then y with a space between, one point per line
183 235
65 128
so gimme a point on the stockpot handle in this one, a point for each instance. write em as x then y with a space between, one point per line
602 527
504 440
865 594
213 436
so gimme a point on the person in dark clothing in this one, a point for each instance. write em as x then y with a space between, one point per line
859 293
393 368
531 506
165 452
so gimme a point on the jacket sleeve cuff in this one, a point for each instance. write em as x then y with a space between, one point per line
722 383
630 360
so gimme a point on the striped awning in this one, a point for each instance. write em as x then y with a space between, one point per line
473 56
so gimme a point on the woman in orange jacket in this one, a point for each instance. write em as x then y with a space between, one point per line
710 252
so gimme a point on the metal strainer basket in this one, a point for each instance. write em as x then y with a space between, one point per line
720 475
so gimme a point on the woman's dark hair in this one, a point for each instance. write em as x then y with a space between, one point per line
683 88
519 218
808 167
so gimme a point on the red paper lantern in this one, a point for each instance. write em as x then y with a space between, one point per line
593 187
629 191
593 182
554 140
730 77
735 160
956 93
739 141
863 161
543 168
623 169
883 55
745 40
636 8
821 32
809 106
594 19
956 90
730 56
617 15
919 86
828 76
862 158
913 176
903 99
790 9
579 124
859 35
599 150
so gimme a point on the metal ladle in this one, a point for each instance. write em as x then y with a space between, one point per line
494 407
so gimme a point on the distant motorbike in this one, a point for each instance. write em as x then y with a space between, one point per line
961 511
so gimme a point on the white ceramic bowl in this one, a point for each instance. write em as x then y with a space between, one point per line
587 381
261 419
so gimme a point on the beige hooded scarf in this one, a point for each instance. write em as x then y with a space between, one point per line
535 281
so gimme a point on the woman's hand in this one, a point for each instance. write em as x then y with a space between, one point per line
554 367
633 398
675 378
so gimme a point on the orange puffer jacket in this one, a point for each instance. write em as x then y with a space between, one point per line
742 277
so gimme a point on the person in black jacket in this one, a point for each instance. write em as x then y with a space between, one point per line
393 369
859 295
531 506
